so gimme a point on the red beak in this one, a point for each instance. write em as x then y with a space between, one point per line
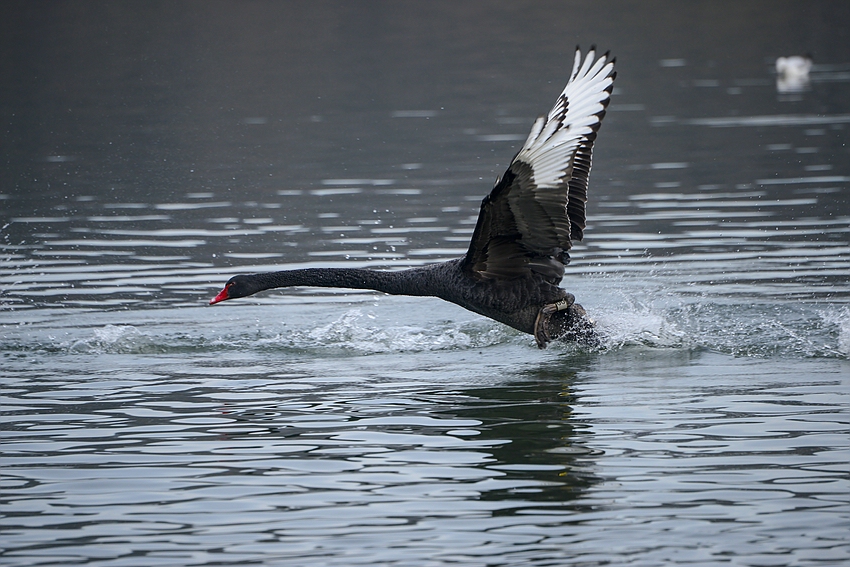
222 295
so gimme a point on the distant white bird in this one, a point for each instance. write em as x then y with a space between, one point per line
792 73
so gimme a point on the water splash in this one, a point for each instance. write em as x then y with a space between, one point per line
839 320
639 325
353 331
117 339
644 318
652 312
739 328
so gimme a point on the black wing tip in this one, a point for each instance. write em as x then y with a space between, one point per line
606 55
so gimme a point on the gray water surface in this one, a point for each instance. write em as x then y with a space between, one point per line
153 150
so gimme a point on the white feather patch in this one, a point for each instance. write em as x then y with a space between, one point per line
554 139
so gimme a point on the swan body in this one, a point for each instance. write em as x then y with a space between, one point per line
526 226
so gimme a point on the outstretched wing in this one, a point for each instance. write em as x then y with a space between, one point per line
528 221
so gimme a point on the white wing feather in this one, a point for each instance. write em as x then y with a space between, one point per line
553 140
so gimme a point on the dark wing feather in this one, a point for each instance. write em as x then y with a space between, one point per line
528 221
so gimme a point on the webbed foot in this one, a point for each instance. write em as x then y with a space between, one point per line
541 324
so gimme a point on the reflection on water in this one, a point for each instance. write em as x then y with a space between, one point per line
256 455
312 462
152 153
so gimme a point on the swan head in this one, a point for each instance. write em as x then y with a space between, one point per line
237 286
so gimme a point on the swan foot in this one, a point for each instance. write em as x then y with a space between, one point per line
540 334
544 316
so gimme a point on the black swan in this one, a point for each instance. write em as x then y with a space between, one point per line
515 262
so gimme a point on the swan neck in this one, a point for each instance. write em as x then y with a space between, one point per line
405 282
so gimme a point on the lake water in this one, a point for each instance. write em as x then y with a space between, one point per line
151 151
